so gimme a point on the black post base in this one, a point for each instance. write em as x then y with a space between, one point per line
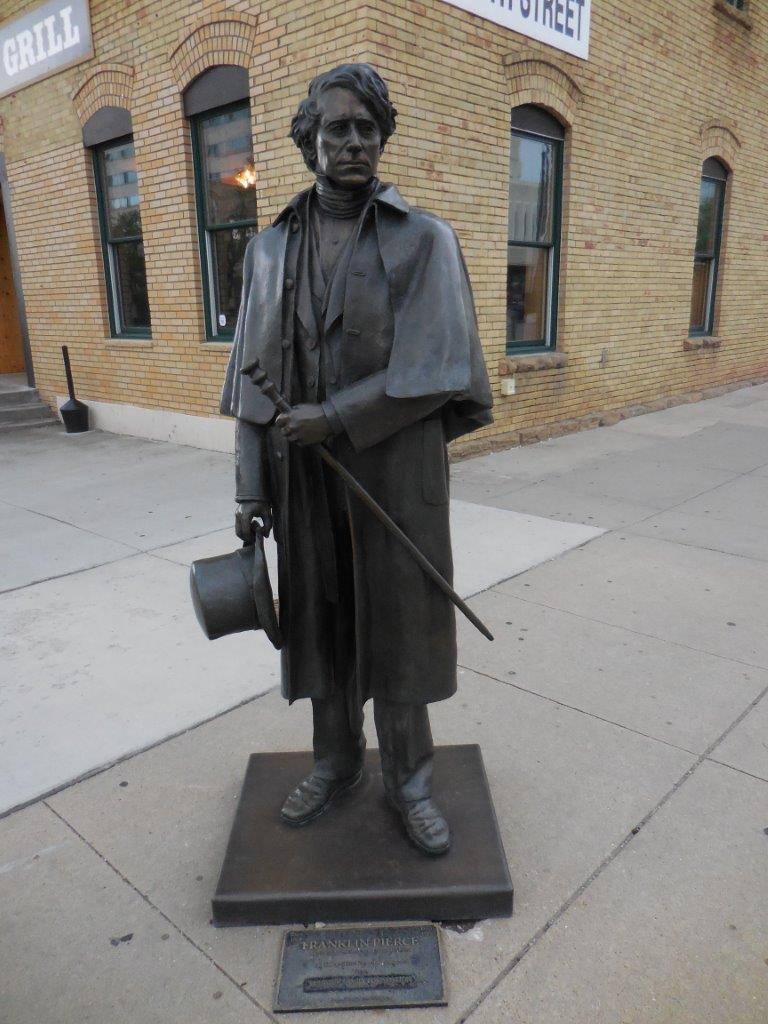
355 862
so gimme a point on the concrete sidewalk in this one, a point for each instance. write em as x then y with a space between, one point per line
621 713
102 653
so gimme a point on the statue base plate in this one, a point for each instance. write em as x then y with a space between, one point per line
355 862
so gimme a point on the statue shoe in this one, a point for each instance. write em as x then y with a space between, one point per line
424 823
313 795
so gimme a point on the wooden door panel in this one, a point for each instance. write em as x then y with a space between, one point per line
11 349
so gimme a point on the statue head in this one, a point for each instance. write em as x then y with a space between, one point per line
344 123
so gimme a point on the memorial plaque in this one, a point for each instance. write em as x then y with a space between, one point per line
360 968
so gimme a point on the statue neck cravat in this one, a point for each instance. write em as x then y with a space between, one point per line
343 203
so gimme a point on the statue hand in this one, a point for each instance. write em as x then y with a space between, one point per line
246 513
304 424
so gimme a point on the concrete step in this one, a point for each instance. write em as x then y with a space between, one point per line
26 396
47 422
19 415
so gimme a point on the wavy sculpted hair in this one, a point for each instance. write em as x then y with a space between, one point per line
361 79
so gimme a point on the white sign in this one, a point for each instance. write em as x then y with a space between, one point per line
44 41
561 23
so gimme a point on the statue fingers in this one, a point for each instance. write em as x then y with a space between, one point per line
239 525
244 527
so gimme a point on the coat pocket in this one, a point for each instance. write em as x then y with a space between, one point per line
434 462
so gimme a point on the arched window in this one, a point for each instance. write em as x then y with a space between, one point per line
109 135
225 186
707 254
533 250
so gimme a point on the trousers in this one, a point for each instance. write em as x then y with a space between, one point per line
405 743
403 730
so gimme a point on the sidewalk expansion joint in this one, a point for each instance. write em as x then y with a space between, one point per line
184 935
617 850
544 561
42 797
726 524
72 572
627 528
741 771
635 632
155 551
73 526
580 711
661 510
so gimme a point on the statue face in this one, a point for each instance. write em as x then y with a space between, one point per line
348 140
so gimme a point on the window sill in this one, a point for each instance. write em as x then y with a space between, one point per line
741 17
509 365
217 345
696 344
129 343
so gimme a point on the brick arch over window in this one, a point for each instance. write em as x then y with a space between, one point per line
719 139
544 84
109 85
225 40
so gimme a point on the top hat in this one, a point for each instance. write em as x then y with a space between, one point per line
231 593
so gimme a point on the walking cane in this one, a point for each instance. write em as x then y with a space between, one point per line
269 390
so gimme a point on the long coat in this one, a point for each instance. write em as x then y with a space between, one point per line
400 324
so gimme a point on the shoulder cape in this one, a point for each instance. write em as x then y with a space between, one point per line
436 347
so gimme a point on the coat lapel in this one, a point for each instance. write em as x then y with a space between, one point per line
388 195
338 287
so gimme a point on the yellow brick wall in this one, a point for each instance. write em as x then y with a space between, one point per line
666 85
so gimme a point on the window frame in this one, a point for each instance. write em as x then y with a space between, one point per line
721 183
549 344
213 332
111 274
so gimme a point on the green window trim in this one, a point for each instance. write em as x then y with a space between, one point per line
209 229
110 248
548 341
706 260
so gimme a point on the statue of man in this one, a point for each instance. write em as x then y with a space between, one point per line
359 308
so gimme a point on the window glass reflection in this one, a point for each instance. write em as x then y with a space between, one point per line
531 189
707 251
121 183
131 284
229 245
227 158
120 219
708 208
527 294
701 275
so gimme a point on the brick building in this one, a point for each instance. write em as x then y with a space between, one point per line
613 207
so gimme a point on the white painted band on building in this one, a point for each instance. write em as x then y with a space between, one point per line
563 24
214 433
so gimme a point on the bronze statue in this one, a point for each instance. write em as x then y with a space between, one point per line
358 309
